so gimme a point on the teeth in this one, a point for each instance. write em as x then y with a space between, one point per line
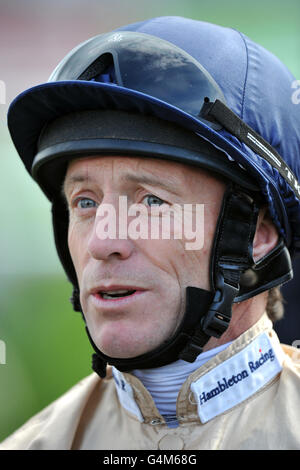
110 292
116 293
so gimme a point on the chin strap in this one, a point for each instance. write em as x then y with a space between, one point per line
234 277
231 255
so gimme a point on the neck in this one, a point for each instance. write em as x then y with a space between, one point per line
244 315
164 383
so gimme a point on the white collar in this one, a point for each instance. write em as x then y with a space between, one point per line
225 380
164 383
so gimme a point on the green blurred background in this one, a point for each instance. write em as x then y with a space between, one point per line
46 347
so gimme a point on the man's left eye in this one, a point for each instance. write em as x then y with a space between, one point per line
153 200
85 203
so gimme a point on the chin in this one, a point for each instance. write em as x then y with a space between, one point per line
125 350
122 353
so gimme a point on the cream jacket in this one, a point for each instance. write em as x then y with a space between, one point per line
246 397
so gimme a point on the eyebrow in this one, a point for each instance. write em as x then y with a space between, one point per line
152 180
70 181
144 179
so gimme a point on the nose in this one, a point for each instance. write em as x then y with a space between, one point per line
109 234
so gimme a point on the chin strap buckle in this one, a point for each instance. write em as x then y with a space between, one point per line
218 317
215 322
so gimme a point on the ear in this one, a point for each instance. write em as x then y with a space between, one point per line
266 236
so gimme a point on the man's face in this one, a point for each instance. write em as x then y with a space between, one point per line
158 270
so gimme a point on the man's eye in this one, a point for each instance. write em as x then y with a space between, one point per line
84 203
153 200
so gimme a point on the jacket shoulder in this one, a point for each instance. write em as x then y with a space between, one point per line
293 355
55 426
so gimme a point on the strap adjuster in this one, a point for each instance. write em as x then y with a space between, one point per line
215 322
217 319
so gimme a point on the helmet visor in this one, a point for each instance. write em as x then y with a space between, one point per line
143 63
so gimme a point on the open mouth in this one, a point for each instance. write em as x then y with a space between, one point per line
116 294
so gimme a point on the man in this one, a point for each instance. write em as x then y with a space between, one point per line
172 115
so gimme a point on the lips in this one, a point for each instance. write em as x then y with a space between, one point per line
115 294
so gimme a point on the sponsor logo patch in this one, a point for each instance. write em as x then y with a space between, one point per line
238 378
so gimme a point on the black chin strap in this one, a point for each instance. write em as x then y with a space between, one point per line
208 313
231 255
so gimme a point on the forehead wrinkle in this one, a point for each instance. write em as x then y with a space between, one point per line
145 174
141 174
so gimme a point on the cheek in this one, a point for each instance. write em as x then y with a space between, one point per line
177 266
191 256
77 238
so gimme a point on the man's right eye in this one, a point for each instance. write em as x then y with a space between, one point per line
84 203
